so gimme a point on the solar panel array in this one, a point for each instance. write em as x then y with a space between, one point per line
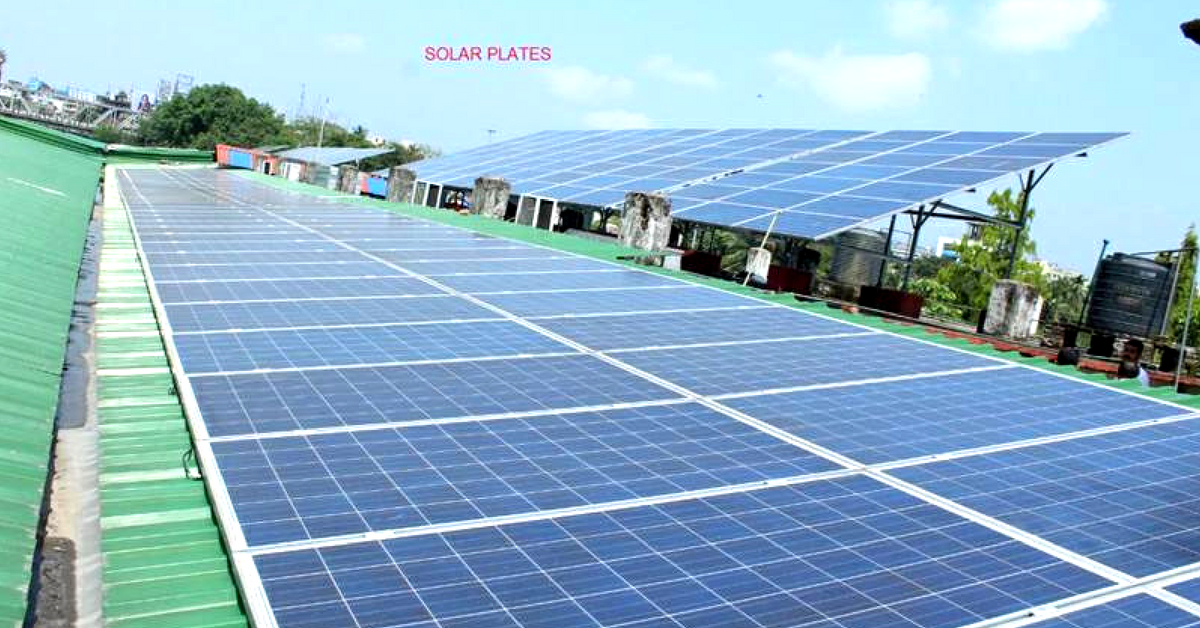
407 424
791 181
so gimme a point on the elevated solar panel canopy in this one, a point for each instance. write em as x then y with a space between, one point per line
799 182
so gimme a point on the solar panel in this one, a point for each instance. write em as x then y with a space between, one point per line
435 474
835 553
475 432
376 344
1137 611
1126 499
890 421
791 181
726 369
832 190
292 400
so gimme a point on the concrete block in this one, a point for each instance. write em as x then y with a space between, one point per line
646 223
527 211
400 184
1013 310
309 173
347 180
490 197
758 263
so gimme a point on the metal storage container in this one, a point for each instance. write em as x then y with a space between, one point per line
857 257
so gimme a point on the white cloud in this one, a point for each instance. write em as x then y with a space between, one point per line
916 19
857 82
346 43
580 84
616 119
1032 25
666 68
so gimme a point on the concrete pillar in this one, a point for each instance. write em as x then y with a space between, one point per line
400 184
309 172
758 263
527 211
646 223
490 197
348 179
1013 310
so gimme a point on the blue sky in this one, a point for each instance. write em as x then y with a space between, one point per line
1065 65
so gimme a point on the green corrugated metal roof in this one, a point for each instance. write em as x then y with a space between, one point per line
46 195
112 153
164 564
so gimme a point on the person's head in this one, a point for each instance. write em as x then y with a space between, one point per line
1132 351
1068 356
1127 369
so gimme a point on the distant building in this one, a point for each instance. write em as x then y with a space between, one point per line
1050 270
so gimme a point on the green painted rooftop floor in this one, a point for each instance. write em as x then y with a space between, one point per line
164 564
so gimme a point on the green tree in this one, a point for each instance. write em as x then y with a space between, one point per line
307 130
1183 289
981 263
1064 298
109 135
402 153
939 300
928 266
209 115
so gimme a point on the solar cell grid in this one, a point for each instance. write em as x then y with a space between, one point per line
304 348
388 479
501 255
253 257
1188 589
290 244
271 271
834 553
1126 499
651 330
615 301
610 278
771 365
883 422
1137 611
293 400
196 317
293 289
439 268
858 176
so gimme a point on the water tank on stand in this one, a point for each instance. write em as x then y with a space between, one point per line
857 257
1129 296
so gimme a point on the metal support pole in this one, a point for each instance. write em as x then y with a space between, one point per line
1183 338
1027 186
917 222
887 252
324 114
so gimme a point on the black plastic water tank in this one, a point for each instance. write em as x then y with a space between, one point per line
1130 296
